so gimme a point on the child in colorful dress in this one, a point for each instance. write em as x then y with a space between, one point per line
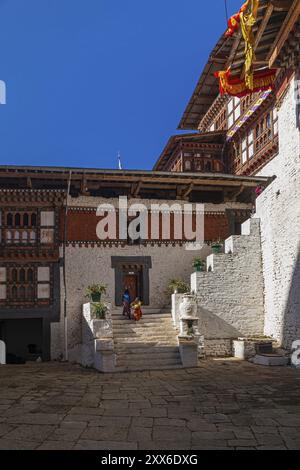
137 311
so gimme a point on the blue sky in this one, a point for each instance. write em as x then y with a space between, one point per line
88 78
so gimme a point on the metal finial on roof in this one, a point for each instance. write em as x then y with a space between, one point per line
226 10
119 161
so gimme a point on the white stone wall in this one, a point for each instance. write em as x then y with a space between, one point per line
279 210
87 265
231 294
218 347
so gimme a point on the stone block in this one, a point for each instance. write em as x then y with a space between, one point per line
176 301
2 353
102 328
188 352
105 361
106 344
243 349
270 360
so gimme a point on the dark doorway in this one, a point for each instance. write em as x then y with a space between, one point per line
23 339
132 279
130 282
132 272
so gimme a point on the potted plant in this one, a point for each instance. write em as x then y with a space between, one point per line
94 292
99 310
198 264
217 247
178 286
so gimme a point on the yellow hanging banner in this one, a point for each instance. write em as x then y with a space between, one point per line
248 19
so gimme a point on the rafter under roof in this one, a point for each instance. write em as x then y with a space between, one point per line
229 52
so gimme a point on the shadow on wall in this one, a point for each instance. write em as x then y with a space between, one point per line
291 321
214 327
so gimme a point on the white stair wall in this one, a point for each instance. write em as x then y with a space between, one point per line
149 344
232 288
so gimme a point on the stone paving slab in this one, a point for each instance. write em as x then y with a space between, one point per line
219 405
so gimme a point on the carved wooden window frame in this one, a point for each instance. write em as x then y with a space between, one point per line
22 285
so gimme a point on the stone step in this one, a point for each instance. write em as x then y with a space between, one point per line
144 322
145 318
142 331
146 311
150 344
162 343
147 361
143 328
149 352
137 368
138 336
150 347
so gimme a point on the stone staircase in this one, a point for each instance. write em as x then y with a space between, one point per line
149 344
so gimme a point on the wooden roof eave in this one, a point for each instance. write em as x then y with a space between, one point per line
196 107
284 32
114 177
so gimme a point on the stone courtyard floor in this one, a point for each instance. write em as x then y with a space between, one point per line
220 405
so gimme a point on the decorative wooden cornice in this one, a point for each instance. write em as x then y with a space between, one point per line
212 113
26 196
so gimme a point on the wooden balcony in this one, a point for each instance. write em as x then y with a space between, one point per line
266 146
19 237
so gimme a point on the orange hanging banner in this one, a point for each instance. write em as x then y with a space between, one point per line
262 80
234 21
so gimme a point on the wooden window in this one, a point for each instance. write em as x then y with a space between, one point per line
43 288
9 220
237 105
33 220
233 111
188 165
29 285
244 150
264 131
221 121
275 121
2 284
25 220
18 226
250 144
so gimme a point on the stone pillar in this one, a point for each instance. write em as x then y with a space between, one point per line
176 301
2 353
188 352
105 357
97 342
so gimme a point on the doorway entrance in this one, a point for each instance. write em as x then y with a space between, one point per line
23 339
133 281
130 282
132 273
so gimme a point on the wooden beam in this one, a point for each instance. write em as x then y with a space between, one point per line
281 5
235 47
284 32
29 183
235 194
84 186
188 191
263 25
137 188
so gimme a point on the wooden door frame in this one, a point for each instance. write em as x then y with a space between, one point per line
117 263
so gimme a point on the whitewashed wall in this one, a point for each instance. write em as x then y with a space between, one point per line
279 210
231 294
87 265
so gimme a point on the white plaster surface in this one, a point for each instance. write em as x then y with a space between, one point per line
279 210
230 296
